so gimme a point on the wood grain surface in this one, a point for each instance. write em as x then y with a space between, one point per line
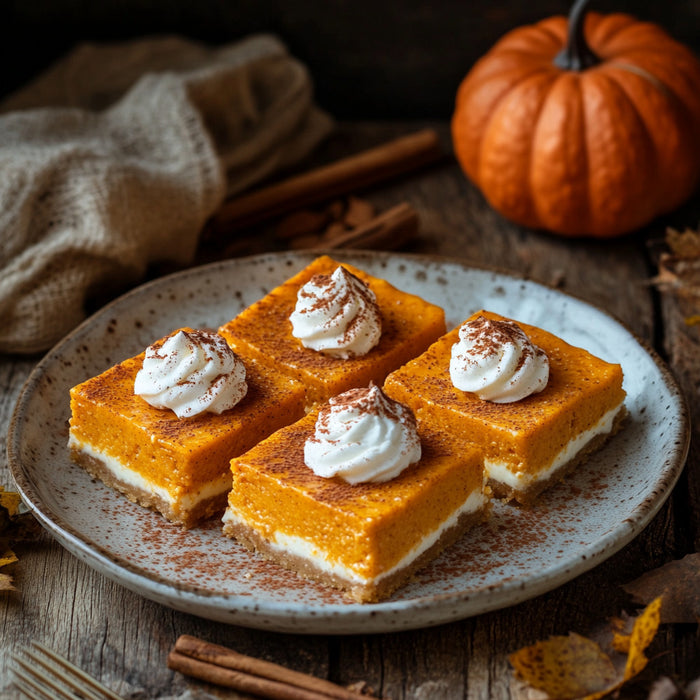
124 639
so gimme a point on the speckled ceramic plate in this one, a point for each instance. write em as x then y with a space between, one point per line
517 555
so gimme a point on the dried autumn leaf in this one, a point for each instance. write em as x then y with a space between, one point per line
10 501
679 269
14 527
678 583
684 244
564 667
644 631
573 666
8 557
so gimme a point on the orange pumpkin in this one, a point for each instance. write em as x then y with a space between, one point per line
589 135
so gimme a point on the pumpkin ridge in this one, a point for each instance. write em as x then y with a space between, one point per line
532 66
683 82
465 92
587 227
642 36
623 189
491 192
667 188
530 38
545 201
614 29
642 73
558 37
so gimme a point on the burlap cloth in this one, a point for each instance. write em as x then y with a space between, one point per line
117 156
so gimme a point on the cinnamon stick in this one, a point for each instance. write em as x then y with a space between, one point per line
390 229
348 174
226 667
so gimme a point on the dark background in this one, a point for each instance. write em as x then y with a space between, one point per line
370 59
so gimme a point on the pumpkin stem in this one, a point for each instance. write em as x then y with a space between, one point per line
576 55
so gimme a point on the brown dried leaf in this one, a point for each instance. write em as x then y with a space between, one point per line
6 557
564 667
684 244
14 527
679 270
10 501
678 583
575 667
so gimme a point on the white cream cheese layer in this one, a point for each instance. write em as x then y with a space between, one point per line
299 547
505 473
133 479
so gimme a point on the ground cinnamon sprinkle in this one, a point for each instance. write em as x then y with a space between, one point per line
487 337
326 298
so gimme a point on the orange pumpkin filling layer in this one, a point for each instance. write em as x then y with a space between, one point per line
263 331
528 443
365 538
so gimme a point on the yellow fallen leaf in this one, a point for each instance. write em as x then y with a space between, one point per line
621 643
644 631
10 501
564 667
14 527
9 557
572 667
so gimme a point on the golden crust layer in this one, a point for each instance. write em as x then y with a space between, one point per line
529 496
370 592
188 518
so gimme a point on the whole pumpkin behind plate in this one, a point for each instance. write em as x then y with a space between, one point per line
589 133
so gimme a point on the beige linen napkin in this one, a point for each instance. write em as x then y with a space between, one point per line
117 156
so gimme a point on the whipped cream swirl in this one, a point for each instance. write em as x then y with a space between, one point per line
192 372
497 361
362 435
337 315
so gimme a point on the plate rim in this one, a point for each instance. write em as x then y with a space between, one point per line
129 575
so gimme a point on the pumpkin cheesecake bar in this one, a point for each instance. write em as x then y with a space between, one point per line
177 464
334 327
365 537
557 404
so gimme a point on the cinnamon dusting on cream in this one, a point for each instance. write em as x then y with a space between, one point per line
337 315
363 436
497 361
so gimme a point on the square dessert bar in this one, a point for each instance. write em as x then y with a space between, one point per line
527 444
177 466
263 331
366 538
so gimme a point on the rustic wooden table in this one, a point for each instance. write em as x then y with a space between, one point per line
124 639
